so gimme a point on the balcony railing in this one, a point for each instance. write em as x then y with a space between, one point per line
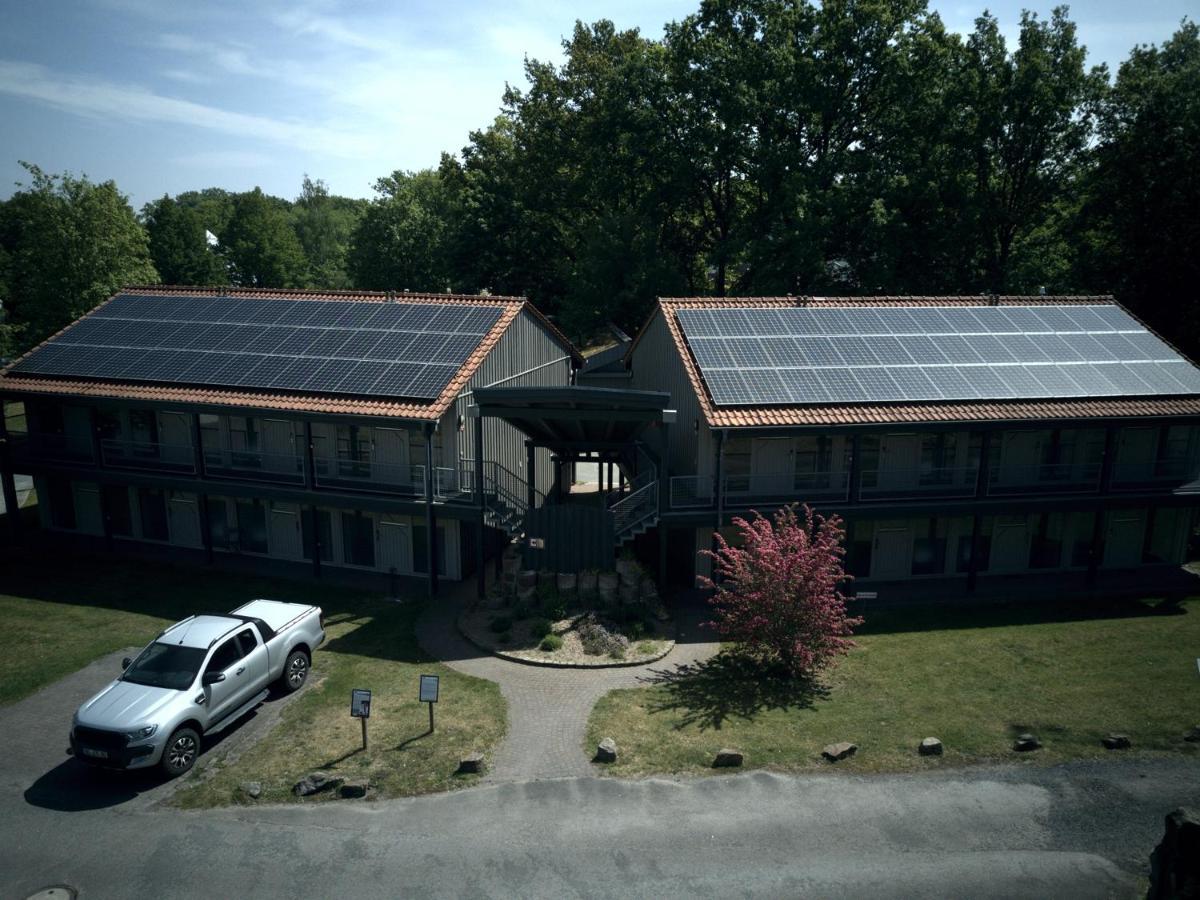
254 465
1175 474
1057 478
918 482
365 474
696 492
37 447
120 454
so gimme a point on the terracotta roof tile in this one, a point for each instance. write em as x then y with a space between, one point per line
282 401
905 413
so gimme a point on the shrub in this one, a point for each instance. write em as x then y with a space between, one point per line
521 610
554 609
539 628
598 638
646 647
551 642
501 624
636 631
504 637
616 653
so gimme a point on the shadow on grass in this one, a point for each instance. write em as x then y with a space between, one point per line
729 685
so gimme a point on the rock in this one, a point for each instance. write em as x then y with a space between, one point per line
1116 742
606 751
1026 742
840 751
471 764
527 578
251 789
314 783
728 759
931 746
354 788
566 583
1175 862
588 584
1193 735
628 570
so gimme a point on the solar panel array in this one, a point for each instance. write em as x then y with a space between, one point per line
803 355
388 349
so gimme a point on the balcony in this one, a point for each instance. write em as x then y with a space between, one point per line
37 447
1048 478
118 454
1157 475
359 472
918 483
254 465
696 492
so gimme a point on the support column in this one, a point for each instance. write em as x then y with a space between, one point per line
310 465
718 488
481 530
530 475
7 485
197 446
973 565
855 474
1106 467
97 446
205 527
664 500
983 476
316 541
430 519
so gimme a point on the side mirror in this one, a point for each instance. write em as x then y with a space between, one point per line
125 663
212 678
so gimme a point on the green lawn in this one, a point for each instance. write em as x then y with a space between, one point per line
64 612
974 678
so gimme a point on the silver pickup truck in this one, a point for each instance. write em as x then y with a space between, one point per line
196 678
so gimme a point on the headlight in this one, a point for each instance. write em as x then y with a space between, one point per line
141 733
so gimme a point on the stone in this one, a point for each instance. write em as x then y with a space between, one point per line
839 751
316 782
1193 735
606 751
589 584
252 789
931 746
527 578
1175 862
728 759
354 788
472 764
1026 742
1116 742
566 583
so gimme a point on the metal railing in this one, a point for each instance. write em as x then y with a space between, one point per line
120 454
696 491
27 446
691 491
636 508
1047 477
1178 474
918 481
368 475
253 465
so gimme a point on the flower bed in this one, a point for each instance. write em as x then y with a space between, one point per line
583 638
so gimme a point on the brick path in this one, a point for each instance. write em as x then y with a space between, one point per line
547 708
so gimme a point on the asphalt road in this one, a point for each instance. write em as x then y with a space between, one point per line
1081 830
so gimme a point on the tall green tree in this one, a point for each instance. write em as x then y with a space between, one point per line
400 243
179 244
325 224
260 245
69 244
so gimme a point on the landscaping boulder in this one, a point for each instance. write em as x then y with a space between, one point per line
606 751
354 788
1026 742
1193 735
931 746
606 586
567 582
588 583
728 759
1175 862
628 570
251 789
527 578
839 751
315 782
1116 742
628 592
471 764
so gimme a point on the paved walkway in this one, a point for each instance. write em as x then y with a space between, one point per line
547 708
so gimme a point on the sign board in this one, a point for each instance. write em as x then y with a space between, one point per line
360 703
537 543
429 689
866 595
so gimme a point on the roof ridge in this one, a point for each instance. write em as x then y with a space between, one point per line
892 300
183 290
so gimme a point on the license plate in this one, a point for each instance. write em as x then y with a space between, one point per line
99 754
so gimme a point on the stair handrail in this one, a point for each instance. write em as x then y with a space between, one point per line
635 508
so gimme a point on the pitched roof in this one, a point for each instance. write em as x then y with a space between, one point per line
906 412
283 401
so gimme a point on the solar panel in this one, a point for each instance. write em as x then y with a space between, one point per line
392 349
776 356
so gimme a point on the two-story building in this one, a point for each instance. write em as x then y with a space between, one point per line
325 429
958 437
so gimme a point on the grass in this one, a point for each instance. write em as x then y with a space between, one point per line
65 612
975 678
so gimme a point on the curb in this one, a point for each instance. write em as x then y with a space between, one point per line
558 664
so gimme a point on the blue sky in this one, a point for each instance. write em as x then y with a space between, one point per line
169 95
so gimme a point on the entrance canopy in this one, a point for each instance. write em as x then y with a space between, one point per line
573 419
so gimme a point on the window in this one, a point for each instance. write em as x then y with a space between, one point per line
218 523
938 455
358 539
108 422
1046 544
814 459
143 428
735 464
420 543
152 506
1083 524
963 558
116 506
929 547
62 503
247 640
324 533
224 656
859 549
252 526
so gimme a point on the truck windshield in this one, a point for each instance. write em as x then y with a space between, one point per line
166 666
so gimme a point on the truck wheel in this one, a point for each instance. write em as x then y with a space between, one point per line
180 753
295 672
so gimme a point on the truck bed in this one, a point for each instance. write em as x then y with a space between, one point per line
275 613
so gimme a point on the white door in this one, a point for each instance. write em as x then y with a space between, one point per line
87 508
175 437
771 466
899 456
1123 539
1010 544
184 521
286 539
279 446
389 461
395 547
891 555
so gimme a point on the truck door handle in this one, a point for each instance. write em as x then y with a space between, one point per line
240 670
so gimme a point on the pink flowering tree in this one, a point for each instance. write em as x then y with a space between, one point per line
777 593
